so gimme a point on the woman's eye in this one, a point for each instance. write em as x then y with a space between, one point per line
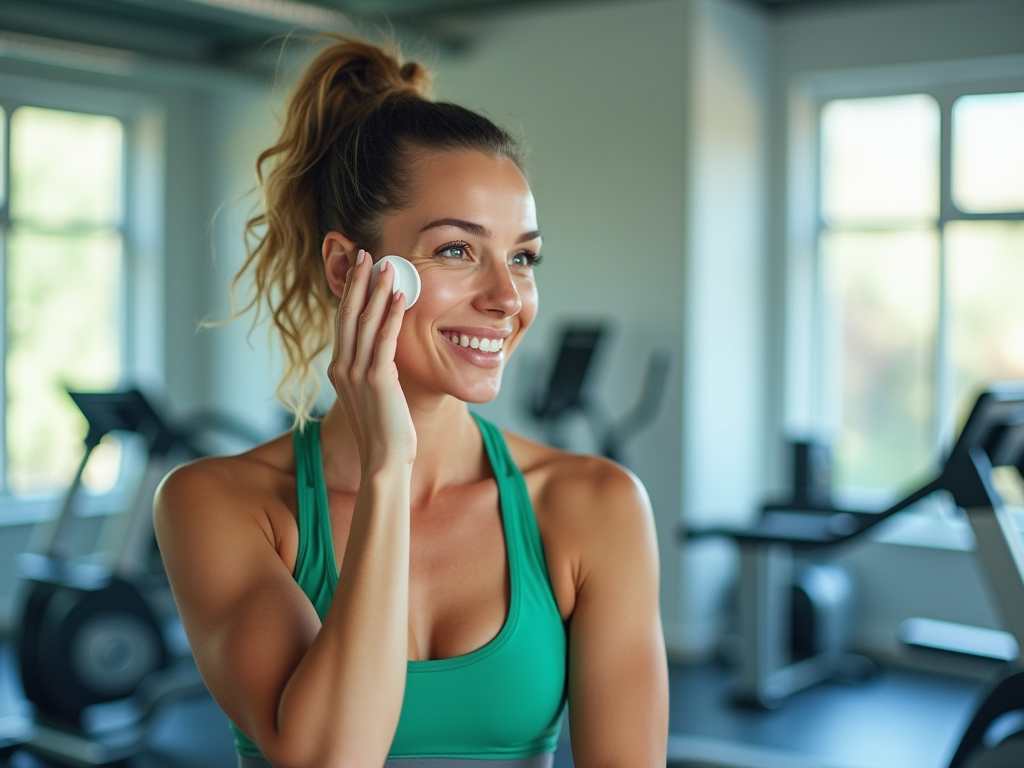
453 251
526 259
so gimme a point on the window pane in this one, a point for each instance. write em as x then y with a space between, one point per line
62 326
883 294
65 168
986 292
880 160
988 152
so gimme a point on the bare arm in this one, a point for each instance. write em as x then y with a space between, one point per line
308 695
618 674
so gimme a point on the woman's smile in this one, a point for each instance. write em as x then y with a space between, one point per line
483 347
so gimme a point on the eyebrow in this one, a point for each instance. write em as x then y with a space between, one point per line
476 229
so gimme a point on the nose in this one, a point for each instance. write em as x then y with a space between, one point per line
498 294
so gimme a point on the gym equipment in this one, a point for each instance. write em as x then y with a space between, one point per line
100 646
567 393
795 608
993 436
15 730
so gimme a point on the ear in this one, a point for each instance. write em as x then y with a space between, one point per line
339 253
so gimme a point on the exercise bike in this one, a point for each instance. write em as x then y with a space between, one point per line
100 646
993 436
566 393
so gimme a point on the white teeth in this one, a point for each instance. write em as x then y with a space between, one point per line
473 342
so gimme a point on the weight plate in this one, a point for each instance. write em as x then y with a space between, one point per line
112 652
93 646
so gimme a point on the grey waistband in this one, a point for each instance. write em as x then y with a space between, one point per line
537 761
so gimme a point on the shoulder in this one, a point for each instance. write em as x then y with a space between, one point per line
587 507
260 478
581 488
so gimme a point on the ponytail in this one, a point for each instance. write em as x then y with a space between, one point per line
340 164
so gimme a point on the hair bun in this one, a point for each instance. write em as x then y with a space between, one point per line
417 77
373 73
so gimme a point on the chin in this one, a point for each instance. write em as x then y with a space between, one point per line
474 392
465 388
480 397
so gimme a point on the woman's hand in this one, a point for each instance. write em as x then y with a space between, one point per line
363 370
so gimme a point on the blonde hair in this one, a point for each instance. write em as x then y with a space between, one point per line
341 164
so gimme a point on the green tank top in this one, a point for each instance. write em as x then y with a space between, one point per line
503 701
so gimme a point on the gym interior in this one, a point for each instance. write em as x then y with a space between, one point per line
784 264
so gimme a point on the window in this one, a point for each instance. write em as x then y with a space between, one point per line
920 256
80 243
64 248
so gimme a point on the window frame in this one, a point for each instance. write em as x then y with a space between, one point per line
805 370
141 230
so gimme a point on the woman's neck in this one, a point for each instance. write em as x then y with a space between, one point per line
449 448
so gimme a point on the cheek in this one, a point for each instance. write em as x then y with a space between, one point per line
438 295
531 302
442 288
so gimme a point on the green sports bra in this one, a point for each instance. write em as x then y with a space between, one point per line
503 701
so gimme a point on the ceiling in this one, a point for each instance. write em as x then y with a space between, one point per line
227 33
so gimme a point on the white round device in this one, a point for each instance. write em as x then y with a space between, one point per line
407 279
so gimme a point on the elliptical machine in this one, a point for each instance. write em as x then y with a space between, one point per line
100 645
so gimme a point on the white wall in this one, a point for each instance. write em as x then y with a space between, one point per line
242 371
724 323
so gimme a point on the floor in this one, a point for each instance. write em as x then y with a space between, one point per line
898 719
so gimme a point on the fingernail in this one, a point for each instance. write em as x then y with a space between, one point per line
384 267
360 257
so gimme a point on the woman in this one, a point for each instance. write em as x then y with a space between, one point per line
484 579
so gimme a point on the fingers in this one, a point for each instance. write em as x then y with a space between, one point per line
371 319
353 299
387 339
361 320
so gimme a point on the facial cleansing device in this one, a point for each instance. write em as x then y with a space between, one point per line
407 279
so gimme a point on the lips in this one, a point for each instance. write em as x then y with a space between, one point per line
481 355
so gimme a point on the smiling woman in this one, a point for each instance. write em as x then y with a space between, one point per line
401 582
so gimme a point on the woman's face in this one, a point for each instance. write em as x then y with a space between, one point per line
471 232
